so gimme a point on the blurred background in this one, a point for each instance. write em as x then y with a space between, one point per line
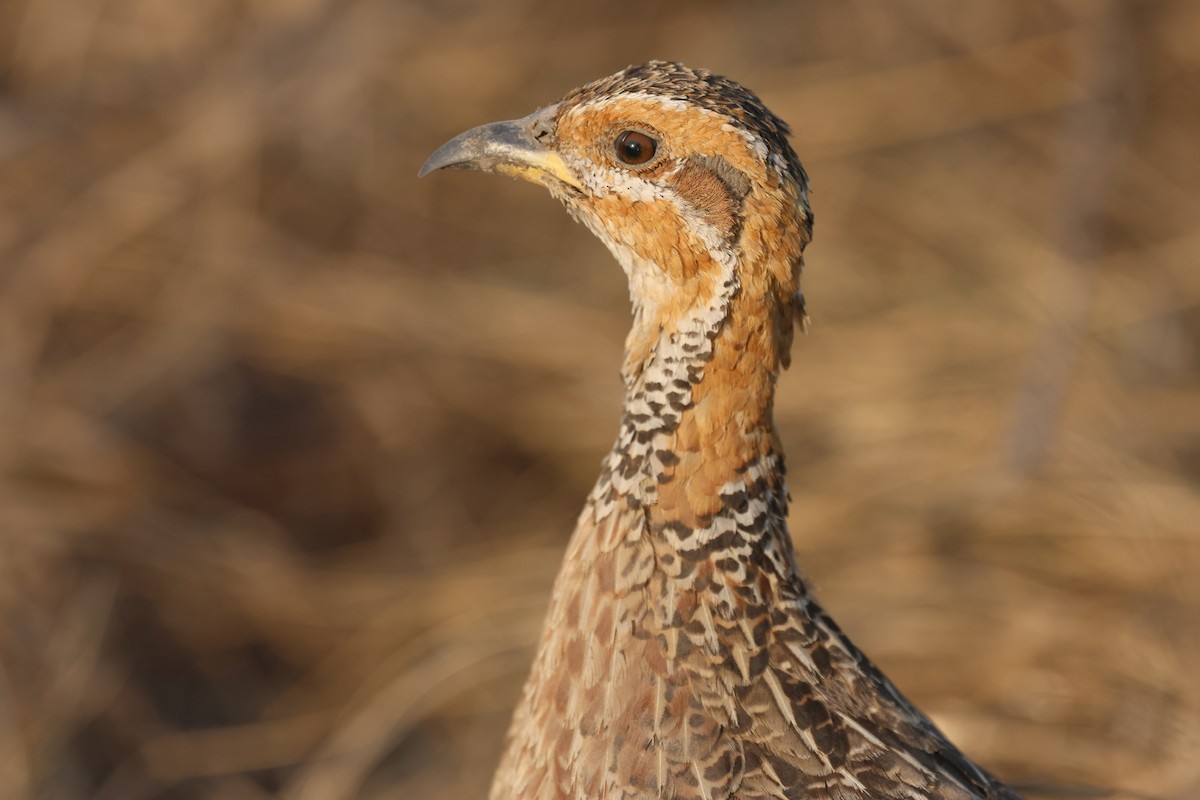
291 443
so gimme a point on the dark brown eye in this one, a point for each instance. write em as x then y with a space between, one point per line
635 147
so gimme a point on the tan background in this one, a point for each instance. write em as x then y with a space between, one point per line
290 442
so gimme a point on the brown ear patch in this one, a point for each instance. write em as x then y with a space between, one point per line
715 189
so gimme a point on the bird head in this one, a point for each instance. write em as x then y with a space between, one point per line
686 177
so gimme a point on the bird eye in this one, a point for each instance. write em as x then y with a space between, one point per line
635 147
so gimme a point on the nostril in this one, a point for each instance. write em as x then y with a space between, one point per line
543 124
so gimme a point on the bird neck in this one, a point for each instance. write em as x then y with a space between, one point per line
697 452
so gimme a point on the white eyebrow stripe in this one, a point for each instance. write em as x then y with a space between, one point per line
675 104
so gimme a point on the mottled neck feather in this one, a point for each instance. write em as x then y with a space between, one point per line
697 453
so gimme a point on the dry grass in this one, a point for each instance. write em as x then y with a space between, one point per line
290 443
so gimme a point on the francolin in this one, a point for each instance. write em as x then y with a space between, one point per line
683 656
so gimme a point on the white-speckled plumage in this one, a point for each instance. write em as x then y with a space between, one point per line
683 656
